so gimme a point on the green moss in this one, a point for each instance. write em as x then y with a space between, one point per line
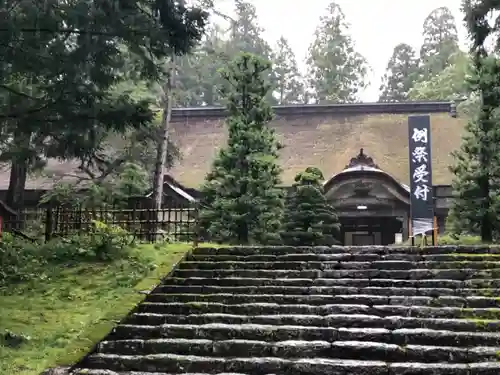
63 317
469 255
488 314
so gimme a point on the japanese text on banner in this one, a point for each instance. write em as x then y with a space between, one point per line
419 155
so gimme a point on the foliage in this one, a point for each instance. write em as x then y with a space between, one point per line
74 308
242 202
309 219
289 85
448 239
477 174
128 181
198 76
27 261
60 62
483 18
337 72
401 74
449 84
440 42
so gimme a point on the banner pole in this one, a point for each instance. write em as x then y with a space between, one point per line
435 232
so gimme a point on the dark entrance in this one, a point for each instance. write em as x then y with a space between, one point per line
365 231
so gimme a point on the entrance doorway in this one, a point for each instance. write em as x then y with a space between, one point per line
366 231
363 239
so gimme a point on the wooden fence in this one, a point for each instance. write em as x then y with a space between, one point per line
178 223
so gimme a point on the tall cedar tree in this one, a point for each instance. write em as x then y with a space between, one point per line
440 42
289 86
242 201
337 72
401 74
309 220
60 62
477 171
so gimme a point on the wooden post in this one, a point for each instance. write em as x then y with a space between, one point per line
435 232
48 224
410 232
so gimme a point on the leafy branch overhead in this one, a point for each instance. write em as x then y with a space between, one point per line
61 63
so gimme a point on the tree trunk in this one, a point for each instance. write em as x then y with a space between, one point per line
18 175
162 147
17 182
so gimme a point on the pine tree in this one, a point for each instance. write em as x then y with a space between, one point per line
289 86
337 71
440 42
246 33
401 74
309 220
477 170
242 201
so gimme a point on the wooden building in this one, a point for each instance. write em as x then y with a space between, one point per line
370 192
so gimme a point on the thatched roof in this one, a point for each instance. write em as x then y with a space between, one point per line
323 136
327 141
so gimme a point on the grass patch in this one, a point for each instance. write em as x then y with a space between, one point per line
446 239
54 322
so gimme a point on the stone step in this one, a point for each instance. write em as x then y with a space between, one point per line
414 274
275 309
330 290
333 320
270 333
282 250
351 282
359 350
346 257
325 299
384 265
180 364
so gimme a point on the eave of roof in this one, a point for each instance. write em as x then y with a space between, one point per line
323 109
364 168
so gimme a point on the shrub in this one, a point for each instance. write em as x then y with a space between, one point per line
19 260
448 239
23 260
309 219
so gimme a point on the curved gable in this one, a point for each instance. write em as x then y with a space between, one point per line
363 180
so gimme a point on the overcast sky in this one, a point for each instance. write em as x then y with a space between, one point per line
376 26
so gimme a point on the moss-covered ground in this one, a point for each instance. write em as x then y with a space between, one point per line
54 322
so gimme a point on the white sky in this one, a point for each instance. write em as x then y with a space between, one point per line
376 26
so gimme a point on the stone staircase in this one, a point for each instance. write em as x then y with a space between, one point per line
315 311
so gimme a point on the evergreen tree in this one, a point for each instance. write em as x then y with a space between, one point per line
246 33
440 42
309 220
246 36
477 171
289 86
401 74
450 84
337 72
198 77
242 201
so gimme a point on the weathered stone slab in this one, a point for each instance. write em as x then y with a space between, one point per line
378 310
428 369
